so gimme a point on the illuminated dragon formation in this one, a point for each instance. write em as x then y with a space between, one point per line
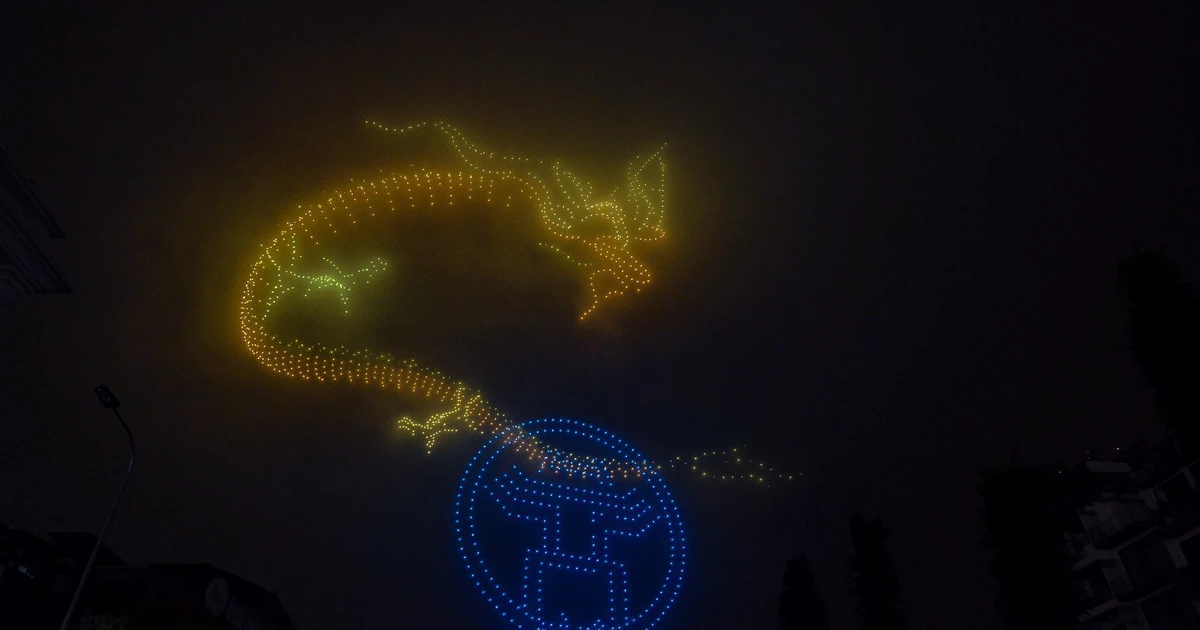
597 233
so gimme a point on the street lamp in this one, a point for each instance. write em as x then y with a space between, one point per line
109 401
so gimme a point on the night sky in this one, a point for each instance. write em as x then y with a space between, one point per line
894 236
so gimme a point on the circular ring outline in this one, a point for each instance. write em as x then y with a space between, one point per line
472 554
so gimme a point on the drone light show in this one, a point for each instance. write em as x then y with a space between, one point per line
563 202
569 562
293 267
599 514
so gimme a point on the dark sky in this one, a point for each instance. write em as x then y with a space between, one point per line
895 231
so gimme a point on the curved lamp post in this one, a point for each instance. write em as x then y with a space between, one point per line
109 401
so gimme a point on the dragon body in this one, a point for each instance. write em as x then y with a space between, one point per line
565 204
600 234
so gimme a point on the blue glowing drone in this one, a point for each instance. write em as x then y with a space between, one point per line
552 551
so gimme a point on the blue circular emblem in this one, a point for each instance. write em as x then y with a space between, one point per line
556 551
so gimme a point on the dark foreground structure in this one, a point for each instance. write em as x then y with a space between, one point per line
37 578
1137 550
25 229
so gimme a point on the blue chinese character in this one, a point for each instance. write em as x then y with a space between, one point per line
574 520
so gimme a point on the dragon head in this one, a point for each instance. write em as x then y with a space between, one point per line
598 232
601 233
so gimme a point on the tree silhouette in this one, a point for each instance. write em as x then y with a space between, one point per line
873 580
1024 516
1164 322
800 604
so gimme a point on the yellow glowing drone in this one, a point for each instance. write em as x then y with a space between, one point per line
570 214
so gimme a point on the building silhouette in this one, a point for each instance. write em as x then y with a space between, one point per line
1136 551
38 576
25 229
